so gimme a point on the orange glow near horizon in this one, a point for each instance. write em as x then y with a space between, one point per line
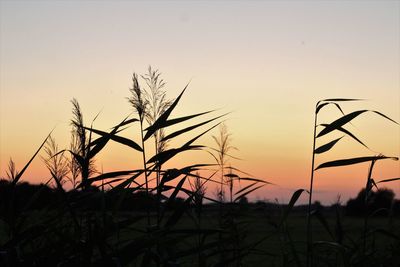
267 62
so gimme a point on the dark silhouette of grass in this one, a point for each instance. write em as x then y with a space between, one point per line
123 218
337 125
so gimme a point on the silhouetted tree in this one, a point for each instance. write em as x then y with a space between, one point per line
38 196
379 199
317 206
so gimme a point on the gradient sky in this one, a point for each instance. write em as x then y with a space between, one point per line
268 61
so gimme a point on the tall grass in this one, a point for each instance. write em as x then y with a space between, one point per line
224 146
56 163
157 105
107 219
83 155
140 103
336 125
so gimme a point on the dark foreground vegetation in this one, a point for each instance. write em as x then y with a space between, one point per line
239 234
157 216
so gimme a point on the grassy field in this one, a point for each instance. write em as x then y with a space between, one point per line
253 232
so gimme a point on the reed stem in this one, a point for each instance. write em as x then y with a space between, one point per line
309 226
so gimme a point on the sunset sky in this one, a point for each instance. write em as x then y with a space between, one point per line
268 62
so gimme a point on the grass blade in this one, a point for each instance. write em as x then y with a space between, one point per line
245 188
19 175
182 119
388 180
386 117
343 130
319 107
161 121
347 118
290 206
198 136
352 136
107 175
127 181
116 138
248 192
327 146
344 162
177 133
125 122
340 122
341 99
166 155
102 141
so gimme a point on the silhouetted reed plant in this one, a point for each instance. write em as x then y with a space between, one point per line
338 126
158 216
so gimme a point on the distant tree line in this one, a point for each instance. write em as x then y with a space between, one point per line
382 201
43 196
379 203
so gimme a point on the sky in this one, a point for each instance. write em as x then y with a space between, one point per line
267 62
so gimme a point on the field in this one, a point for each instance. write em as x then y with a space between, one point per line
250 236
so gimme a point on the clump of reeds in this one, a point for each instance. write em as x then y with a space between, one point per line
336 125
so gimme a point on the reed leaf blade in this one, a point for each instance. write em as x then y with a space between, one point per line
351 161
161 121
326 147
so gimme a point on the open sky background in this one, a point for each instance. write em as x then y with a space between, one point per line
267 61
